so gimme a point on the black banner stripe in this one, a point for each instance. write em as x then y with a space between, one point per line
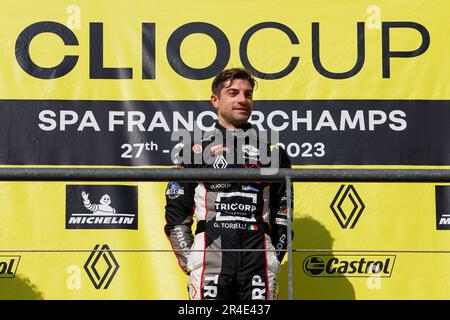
314 132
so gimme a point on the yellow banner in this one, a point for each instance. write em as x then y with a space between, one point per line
372 76
210 35
388 250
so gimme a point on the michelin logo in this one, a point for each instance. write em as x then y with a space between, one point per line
442 207
82 213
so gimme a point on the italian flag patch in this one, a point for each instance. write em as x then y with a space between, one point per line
252 227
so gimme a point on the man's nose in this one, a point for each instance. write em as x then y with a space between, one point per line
242 98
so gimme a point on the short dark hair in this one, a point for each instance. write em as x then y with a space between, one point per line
231 74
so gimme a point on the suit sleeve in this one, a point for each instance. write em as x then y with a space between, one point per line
278 210
179 211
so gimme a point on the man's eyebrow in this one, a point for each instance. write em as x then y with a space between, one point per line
237 90
232 89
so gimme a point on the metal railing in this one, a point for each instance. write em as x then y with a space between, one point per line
231 175
157 174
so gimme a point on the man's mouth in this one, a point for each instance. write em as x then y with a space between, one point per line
241 109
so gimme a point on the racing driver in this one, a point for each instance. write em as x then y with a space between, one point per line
240 237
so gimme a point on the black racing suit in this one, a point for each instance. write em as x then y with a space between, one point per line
243 215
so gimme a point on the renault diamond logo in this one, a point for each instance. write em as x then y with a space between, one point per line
220 163
101 267
347 206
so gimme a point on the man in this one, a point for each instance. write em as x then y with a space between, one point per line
230 216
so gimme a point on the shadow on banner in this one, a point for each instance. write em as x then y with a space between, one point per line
18 288
311 234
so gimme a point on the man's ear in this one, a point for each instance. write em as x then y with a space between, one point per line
215 101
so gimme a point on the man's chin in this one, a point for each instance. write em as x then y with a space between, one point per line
241 119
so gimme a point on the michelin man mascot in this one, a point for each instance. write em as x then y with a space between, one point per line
102 208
